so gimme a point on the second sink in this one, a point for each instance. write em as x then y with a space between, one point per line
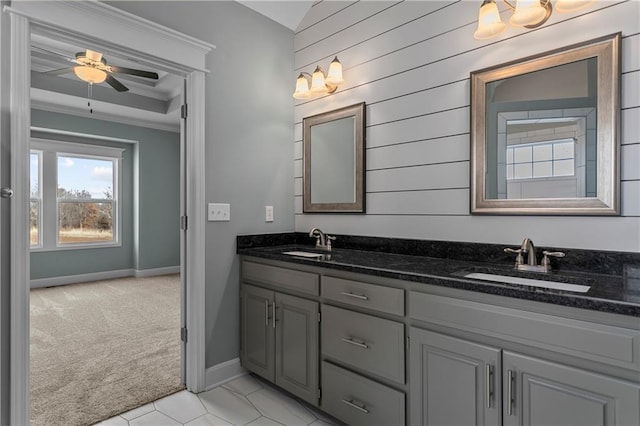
529 282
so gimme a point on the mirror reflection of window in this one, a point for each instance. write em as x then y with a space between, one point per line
545 132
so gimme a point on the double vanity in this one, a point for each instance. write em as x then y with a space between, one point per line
426 333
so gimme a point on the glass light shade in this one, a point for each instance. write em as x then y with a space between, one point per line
334 76
572 5
302 88
489 22
528 12
90 75
317 81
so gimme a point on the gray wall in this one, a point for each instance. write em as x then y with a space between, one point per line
150 222
410 62
249 113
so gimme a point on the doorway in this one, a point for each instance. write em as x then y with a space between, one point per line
94 23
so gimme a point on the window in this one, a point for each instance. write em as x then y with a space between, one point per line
74 199
35 210
541 159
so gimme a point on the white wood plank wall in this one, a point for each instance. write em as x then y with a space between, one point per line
410 62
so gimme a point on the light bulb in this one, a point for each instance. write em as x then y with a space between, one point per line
302 88
334 76
317 81
90 75
489 22
528 12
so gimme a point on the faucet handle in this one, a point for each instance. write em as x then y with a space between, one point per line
329 239
519 259
545 260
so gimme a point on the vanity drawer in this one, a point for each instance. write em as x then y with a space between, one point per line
304 282
364 341
359 401
384 299
598 342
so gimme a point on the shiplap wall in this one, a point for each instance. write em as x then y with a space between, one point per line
410 62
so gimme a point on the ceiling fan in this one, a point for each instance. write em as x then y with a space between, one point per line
93 68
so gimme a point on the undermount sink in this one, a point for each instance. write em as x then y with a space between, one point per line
303 254
529 282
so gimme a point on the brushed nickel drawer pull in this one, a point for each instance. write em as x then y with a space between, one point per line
355 296
355 343
266 313
354 405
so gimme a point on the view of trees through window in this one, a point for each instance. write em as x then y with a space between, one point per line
85 199
81 219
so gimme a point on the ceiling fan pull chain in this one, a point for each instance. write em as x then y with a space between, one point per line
89 95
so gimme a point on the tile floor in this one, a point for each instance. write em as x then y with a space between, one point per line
243 401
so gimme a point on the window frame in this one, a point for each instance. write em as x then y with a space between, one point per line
51 150
38 199
552 143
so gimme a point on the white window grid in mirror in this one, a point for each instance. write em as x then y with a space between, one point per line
541 160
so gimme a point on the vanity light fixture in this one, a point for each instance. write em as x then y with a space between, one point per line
526 13
320 84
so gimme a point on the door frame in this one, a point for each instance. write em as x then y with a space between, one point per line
155 43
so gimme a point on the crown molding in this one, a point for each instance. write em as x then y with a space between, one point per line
106 22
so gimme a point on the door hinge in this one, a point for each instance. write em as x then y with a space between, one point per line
183 111
319 317
319 393
183 223
183 334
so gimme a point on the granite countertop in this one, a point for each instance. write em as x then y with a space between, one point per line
618 294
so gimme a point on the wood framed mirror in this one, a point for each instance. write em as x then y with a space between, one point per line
334 161
545 133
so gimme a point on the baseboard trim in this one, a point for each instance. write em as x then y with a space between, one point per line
80 278
224 372
105 275
138 273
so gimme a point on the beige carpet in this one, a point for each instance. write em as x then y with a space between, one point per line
102 348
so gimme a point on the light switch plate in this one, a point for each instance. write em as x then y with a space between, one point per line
218 212
268 213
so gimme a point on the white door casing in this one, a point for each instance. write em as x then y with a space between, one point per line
124 32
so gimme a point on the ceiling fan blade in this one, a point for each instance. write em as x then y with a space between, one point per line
111 81
59 72
53 55
139 73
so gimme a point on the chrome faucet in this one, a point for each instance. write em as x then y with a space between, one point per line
527 247
322 241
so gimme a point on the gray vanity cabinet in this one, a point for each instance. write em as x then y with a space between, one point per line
538 392
453 381
280 340
458 382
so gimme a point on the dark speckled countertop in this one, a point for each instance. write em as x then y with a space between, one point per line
614 293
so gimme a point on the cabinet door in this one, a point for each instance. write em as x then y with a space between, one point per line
258 331
297 346
453 381
543 393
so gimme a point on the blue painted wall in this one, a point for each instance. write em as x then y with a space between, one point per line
150 213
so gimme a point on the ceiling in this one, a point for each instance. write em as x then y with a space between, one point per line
287 13
148 103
